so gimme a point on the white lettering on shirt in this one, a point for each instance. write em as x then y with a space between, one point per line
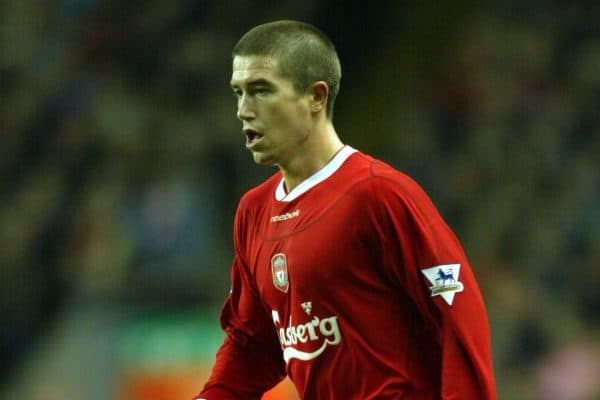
325 329
286 216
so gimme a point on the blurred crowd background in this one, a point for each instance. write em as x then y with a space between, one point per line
121 164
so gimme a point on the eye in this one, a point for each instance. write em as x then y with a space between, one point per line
260 91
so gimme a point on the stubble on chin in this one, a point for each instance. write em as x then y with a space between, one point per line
263 159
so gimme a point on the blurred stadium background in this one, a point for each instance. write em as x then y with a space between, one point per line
121 164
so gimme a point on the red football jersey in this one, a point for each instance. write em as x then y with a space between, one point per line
354 286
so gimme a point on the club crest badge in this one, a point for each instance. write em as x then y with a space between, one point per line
280 272
444 279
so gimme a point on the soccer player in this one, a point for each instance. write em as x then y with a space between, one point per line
345 276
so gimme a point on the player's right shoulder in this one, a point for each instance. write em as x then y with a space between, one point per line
261 193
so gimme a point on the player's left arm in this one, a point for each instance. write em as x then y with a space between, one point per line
428 261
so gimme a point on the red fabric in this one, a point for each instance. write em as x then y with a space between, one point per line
358 320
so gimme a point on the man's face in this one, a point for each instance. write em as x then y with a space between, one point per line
275 117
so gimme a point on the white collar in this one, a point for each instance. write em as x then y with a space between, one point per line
318 177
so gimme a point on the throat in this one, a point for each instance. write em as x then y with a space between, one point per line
292 179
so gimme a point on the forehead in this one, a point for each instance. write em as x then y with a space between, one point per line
251 68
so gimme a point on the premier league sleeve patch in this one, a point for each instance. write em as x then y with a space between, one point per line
444 280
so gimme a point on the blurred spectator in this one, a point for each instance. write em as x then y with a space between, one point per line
569 373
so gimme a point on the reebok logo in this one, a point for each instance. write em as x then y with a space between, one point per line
286 216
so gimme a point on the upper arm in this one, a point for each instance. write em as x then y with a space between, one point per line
422 254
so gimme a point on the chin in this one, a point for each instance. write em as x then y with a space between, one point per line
263 159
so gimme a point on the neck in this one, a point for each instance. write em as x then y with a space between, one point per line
316 152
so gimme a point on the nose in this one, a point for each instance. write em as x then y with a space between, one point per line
245 109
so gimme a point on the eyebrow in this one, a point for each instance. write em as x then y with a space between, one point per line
255 82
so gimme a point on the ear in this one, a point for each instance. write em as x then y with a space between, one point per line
319 96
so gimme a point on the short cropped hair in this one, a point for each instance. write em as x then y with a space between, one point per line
303 52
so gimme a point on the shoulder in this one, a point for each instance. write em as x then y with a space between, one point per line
398 195
256 201
252 205
389 193
381 180
261 194
388 178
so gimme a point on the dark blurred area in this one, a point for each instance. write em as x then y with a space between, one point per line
121 164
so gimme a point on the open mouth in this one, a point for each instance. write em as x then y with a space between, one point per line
252 137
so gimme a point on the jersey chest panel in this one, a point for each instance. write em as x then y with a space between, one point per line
303 258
